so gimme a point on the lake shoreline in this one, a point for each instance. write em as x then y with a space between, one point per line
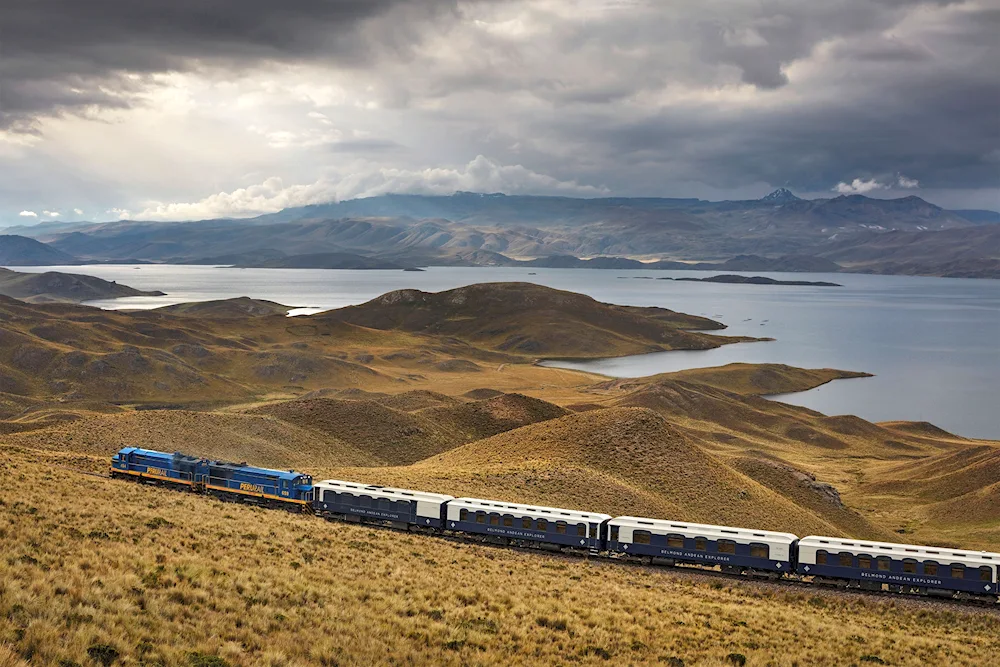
931 342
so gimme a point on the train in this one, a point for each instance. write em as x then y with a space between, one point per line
830 561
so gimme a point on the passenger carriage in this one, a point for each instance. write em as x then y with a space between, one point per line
905 568
734 549
384 504
528 525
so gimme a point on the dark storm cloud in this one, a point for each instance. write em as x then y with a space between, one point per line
642 97
70 54
922 101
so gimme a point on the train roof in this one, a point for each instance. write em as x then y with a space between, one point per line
155 453
901 550
386 491
280 474
553 512
706 530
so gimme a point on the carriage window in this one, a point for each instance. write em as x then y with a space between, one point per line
581 530
494 519
726 547
985 574
884 563
930 567
760 551
526 522
846 560
463 515
561 527
642 537
701 544
676 541
910 566
958 572
330 496
508 521
821 557
480 517
614 533
865 562
543 524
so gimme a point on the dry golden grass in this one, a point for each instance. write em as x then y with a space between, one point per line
387 434
481 419
531 320
617 461
410 433
159 576
894 478
781 456
758 379
258 439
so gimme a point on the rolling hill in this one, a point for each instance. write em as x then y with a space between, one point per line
23 251
526 319
56 287
972 252
240 307
613 460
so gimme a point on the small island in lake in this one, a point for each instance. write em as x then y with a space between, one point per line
753 280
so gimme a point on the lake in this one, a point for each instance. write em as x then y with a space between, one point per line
933 343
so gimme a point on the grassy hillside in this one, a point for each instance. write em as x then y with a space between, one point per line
616 461
527 319
56 287
258 439
239 350
428 391
241 307
138 575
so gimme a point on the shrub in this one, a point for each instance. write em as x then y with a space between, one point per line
873 658
197 659
599 651
736 659
104 654
551 623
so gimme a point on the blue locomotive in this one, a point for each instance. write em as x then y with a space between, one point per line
229 481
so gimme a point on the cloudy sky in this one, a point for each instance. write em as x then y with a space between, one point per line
191 109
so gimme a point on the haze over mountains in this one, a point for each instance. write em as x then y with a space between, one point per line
778 232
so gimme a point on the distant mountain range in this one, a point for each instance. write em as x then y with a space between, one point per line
854 232
23 251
